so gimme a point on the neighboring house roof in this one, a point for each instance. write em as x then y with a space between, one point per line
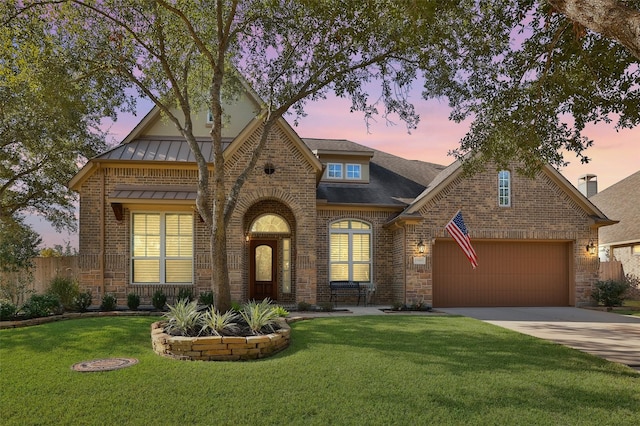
620 201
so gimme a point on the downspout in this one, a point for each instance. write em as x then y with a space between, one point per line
102 231
404 264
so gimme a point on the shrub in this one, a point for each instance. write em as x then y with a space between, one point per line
326 306
235 306
66 289
82 301
7 310
206 298
109 302
218 324
159 300
304 306
259 316
133 301
610 293
183 319
280 311
41 305
185 293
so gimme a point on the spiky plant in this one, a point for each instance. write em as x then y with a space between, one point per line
217 324
183 318
259 316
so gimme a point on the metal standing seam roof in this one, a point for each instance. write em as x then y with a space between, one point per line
160 149
147 192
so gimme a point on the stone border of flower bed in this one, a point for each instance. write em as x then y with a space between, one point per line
75 315
219 348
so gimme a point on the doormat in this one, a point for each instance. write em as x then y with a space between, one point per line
106 364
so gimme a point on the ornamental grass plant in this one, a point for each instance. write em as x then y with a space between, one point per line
378 370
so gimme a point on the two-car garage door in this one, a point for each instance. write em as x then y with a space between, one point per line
509 274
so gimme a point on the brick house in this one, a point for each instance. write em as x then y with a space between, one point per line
316 210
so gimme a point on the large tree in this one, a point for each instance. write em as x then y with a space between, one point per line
51 105
185 56
516 67
530 75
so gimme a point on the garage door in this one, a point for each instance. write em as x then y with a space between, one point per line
509 274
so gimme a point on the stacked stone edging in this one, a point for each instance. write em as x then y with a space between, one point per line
219 348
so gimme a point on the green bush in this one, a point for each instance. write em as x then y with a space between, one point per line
183 319
259 316
217 324
66 289
206 298
82 301
7 310
41 305
185 294
109 302
280 311
235 306
159 300
326 306
304 306
610 293
133 301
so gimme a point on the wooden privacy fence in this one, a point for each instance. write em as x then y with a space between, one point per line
611 271
44 270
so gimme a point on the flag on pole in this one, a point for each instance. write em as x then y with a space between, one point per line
458 231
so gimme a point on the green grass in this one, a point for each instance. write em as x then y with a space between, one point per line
356 370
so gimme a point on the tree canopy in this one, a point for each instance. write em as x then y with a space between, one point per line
51 106
529 74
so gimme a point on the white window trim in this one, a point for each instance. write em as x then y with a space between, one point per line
341 166
162 257
508 188
359 166
350 262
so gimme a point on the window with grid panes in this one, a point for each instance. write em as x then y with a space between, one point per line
504 188
350 251
161 248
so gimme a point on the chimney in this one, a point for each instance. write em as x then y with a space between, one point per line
588 185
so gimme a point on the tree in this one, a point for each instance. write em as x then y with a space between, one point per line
518 68
185 55
18 245
531 74
51 105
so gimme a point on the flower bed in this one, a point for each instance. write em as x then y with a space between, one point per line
219 348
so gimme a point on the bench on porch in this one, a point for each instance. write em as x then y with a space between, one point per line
361 289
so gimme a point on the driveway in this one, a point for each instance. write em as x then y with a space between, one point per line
610 336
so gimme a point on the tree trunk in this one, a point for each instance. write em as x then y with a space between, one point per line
611 18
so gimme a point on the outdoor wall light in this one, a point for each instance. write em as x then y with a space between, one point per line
591 248
421 247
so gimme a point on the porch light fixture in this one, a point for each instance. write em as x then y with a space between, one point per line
591 248
421 247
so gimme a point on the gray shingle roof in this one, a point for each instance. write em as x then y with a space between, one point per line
620 201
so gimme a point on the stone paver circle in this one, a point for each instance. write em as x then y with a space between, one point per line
105 364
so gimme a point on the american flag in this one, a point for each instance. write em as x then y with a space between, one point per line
458 231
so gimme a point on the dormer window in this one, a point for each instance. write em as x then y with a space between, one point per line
353 171
504 188
334 171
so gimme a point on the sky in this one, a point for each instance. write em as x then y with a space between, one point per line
614 155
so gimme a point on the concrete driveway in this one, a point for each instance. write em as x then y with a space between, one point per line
610 336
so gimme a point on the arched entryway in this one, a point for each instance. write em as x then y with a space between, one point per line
270 236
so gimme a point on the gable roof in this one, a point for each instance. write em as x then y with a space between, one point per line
455 169
620 201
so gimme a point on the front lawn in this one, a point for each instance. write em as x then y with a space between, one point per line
376 370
